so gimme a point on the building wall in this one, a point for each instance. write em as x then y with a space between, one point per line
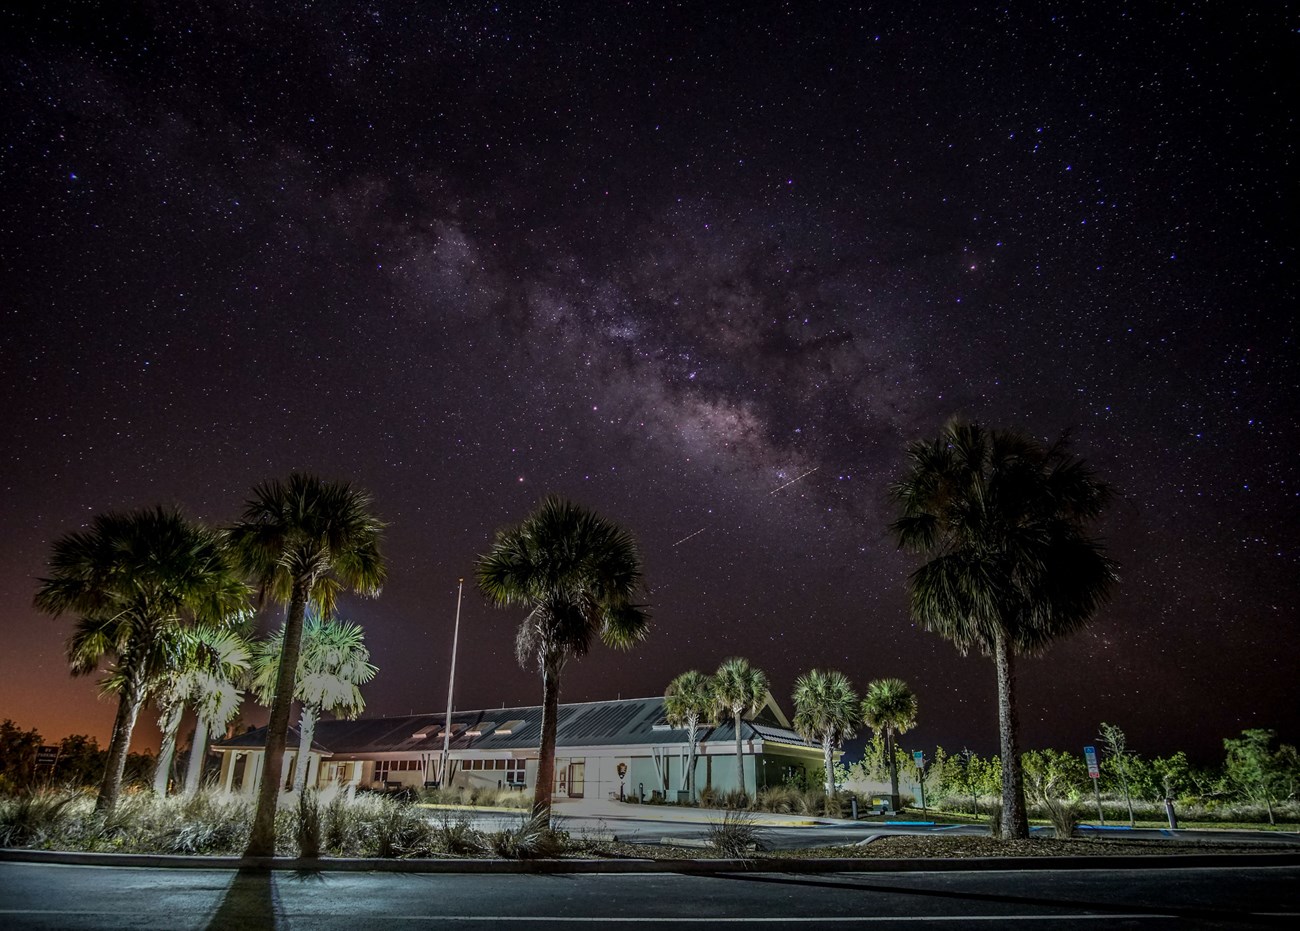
589 773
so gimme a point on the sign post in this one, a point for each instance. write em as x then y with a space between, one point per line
919 757
1094 773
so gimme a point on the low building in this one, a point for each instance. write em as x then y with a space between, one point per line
604 749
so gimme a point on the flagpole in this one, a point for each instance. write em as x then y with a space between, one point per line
451 688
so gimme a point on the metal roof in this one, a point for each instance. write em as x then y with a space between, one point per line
628 721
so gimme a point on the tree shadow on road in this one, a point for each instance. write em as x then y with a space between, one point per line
250 904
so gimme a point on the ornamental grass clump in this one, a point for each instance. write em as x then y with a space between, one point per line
532 838
734 835
457 837
341 825
207 823
34 819
393 829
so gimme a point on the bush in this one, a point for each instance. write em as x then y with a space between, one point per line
28 820
342 826
531 838
204 824
1064 815
458 837
309 829
736 800
734 835
781 800
393 829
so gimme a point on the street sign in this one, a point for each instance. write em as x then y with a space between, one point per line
46 756
919 757
1090 754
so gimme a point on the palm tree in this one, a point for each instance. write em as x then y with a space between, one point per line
194 652
825 710
1003 522
216 699
332 664
889 708
739 689
304 541
578 575
169 694
687 702
133 578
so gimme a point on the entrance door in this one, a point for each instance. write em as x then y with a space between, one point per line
577 778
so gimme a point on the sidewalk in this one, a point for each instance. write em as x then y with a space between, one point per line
623 811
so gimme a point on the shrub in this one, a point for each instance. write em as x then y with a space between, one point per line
203 824
392 829
457 837
342 826
309 829
531 838
29 820
781 800
1064 815
736 800
733 835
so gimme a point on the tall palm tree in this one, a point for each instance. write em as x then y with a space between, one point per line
332 664
889 708
133 578
1003 521
740 689
216 699
304 541
687 702
195 651
825 710
578 574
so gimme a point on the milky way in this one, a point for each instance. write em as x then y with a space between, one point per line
665 261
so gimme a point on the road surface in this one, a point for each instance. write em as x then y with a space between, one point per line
76 898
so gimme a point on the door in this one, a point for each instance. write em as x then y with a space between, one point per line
577 778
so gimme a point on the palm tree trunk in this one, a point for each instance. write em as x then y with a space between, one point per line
261 839
198 753
128 708
306 731
830 775
169 724
546 752
1015 821
690 764
740 758
895 800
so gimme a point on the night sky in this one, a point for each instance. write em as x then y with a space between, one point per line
665 259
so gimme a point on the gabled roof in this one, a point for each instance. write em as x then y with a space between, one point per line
628 721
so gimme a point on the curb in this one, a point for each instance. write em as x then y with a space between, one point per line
699 867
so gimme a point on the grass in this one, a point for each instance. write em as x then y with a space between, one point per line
734 835
336 825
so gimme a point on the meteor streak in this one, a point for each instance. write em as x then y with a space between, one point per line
769 494
793 480
695 534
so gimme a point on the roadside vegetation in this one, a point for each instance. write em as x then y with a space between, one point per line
161 607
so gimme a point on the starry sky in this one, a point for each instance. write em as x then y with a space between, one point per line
705 268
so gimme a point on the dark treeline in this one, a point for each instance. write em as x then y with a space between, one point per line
79 761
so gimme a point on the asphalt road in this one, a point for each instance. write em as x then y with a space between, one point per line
37 896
